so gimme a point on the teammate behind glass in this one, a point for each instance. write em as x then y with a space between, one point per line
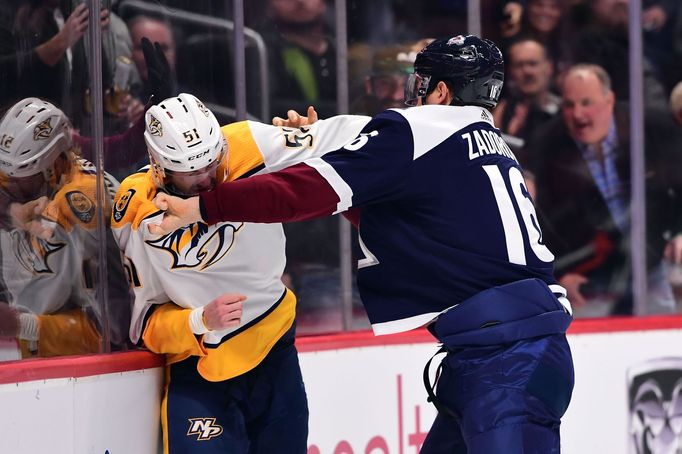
49 240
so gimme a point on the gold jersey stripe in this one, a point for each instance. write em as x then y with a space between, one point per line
243 152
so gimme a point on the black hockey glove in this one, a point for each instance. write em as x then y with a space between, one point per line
159 75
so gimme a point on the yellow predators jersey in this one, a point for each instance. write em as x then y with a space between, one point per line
188 268
42 275
54 277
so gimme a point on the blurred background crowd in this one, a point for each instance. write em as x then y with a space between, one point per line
564 111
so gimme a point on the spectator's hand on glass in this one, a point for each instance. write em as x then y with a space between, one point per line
296 120
572 282
224 312
654 18
130 109
104 18
178 213
75 26
9 321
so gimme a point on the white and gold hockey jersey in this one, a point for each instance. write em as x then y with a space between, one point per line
175 273
54 278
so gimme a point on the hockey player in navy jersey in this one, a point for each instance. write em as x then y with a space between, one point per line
451 241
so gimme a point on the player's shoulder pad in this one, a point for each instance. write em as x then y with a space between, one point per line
75 203
432 124
134 200
244 156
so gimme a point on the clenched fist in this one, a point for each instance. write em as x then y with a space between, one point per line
224 312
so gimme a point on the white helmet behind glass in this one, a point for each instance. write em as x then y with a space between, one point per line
33 133
184 141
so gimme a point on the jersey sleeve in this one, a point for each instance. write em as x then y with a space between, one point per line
371 168
167 331
255 147
283 147
68 333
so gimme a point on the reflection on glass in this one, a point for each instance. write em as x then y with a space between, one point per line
49 241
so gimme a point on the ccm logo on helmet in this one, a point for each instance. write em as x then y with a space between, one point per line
192 158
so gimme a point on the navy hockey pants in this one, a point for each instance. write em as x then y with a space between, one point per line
264 411
507 399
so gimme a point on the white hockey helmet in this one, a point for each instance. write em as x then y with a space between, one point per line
33 133
185 144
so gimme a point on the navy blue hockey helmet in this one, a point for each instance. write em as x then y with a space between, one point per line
473 67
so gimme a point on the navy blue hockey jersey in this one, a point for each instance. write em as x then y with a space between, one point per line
444 211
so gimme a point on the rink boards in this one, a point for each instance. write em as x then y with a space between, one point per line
365 393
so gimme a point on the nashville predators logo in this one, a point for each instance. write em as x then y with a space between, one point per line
32 253
198 245
202 108
122 205
81 206
154 126
43 130
204 428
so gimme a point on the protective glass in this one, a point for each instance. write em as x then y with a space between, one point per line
385 86
415 88
25 189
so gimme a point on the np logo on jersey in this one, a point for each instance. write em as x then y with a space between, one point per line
43 130
297 138
122 204
197 245
204 428
154 126
81 206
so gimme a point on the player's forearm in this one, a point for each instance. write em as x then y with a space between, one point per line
295 194
168 331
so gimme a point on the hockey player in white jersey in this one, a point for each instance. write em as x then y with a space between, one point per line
211 298
49 239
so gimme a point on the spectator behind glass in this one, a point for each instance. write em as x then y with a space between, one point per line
541 20
48 58
302 56
157 31
529 102
581 162
659 19
605 43
50 241
385 86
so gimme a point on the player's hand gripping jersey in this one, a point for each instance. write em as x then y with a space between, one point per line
412 173
175 273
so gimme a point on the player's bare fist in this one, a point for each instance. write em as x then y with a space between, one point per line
224 312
